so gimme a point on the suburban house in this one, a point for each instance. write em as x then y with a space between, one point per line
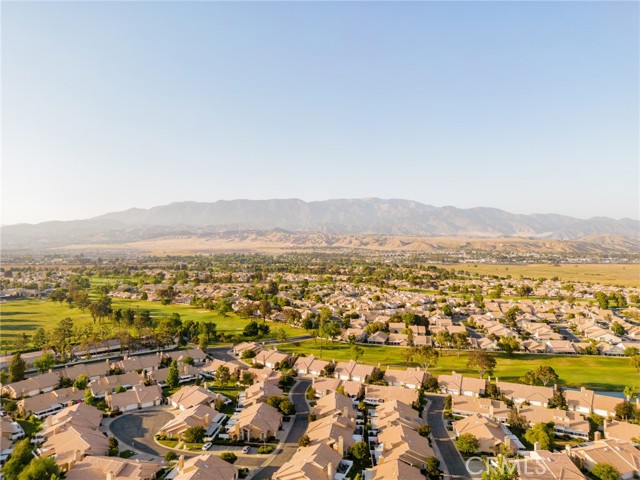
626 432
587 401
458 384
487 407
324 386
334 403
490 433
393 470
239 349
259 392
395 412
317 462
51 402
335 431
93 371
100 387
257 422
180 356
73 444
78 415
272 358
139 363
623 456
544 465
32 386
209 370
112 468
309 366
410 378
197 416
565 422
353 371
377 394
140 396
402 443
190 396
519 393
203 467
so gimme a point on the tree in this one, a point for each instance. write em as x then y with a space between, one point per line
512 314
282 335
618 329
332 330
170 456
629 392
546 374
62 336
425 355
17 367
559 400
356 352
44 363
287 407
432 468
167 295
194 434
605 471
41 468
251 329
81 299
517 421
173 375
625 410
20 457
223 375
482 362
247 379
467 443
524 290
509 345
39 338
424 430
635 362
114 447
460 340
359 451
81 382
602 300
304 441
501 470
541 433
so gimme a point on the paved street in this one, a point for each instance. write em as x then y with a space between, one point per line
138 428
454 461
299 428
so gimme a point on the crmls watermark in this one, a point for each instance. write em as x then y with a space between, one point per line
524 466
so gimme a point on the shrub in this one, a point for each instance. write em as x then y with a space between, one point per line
194 434
229 457
266 449
170 456
467 443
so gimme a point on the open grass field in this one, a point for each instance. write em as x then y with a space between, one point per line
597 373
25 316
607 274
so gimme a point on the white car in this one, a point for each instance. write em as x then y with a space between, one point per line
246 449
207 446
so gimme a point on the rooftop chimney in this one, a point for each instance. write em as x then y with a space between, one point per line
181 463
536 446
340 446
330 471
110 475
597 436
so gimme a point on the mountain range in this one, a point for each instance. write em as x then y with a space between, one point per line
351 217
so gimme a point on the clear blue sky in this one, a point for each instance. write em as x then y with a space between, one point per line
528 107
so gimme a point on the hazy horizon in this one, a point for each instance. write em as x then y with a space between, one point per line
528 107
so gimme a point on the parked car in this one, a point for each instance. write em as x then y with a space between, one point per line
207 446
246 449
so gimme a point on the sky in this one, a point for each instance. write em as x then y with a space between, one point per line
527 107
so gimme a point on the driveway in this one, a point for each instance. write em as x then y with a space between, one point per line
301 422
440 434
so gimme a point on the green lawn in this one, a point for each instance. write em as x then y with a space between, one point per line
598 373
25 316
